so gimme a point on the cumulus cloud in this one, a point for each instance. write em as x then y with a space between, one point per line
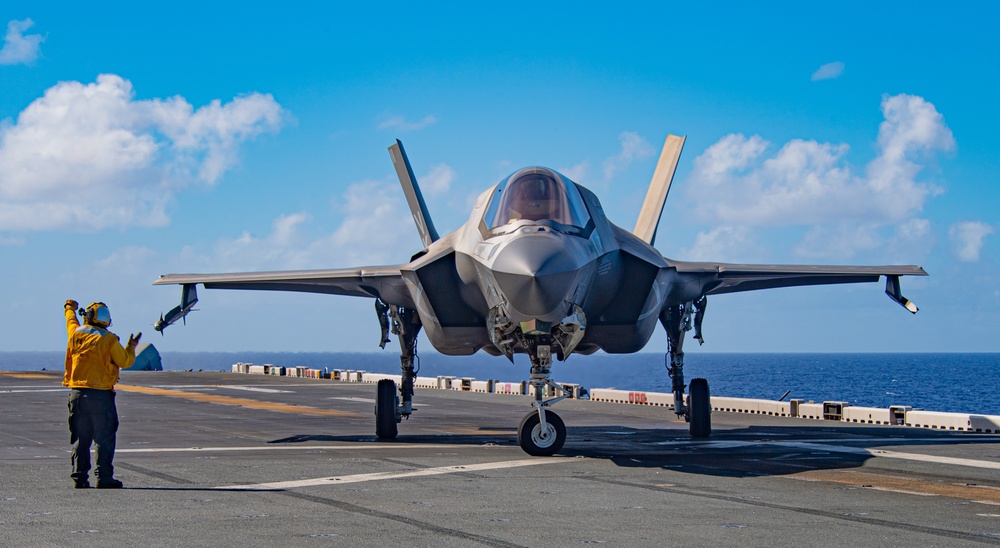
828 71
738 182
912 240
374 228
633 147
840 240
19 48
578 172
439 180
724 243
90 156
967 239
400 123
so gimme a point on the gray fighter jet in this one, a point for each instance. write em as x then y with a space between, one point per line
539 269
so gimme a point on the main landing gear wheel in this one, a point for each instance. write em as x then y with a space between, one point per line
700 409
385 410
539 442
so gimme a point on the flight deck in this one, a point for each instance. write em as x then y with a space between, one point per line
212 458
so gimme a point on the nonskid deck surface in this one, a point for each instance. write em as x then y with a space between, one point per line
214 458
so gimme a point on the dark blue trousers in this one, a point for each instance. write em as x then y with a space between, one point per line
93 418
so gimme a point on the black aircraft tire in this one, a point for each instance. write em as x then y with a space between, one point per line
700 409
528 434
385 410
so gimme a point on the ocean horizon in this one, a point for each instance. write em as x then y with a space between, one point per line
955 382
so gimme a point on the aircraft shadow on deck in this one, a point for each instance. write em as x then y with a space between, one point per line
747 452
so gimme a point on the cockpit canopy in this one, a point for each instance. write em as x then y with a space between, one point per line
537 194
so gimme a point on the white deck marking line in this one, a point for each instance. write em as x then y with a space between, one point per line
972 463
357 478
256 389
354 399
287 447
33 390
814 446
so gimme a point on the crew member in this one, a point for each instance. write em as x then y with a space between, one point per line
93 357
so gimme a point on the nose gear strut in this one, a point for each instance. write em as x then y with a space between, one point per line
542 433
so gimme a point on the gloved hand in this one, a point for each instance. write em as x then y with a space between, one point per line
70 303
133 340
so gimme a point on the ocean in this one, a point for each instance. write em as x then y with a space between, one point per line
964 383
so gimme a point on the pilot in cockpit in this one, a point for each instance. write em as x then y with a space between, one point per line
533 197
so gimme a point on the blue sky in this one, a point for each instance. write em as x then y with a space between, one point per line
215 137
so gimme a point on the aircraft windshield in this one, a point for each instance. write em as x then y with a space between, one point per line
536 195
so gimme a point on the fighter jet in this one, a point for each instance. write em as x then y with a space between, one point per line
539 269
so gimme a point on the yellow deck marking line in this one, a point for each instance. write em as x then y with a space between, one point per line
238 402
898 484
28 375
356 478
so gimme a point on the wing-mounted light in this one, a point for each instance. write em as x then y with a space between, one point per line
892 290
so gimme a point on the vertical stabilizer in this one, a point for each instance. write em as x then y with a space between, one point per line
652 207
428 234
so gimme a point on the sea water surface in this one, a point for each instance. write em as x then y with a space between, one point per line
964 383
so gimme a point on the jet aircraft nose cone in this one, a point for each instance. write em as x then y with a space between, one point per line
537 274
535 255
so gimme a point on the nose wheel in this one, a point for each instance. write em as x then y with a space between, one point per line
538 440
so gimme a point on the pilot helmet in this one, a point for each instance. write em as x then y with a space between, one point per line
97 314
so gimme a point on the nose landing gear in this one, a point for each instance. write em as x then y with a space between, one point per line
542 433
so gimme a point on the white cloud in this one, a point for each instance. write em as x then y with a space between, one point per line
967 239
912 240
841 241
399 123
829 71
737 182
375 228
89 156
19 48
129 260
724 243
439 180
633 147
577 173
732 153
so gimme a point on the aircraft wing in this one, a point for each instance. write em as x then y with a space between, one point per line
733 278
384 282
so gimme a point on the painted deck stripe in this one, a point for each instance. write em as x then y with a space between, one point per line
49 376
972 463
826 447
897 484
377 476
256 389
238 402
288 447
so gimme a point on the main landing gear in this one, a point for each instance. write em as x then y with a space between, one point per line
391 407
697 411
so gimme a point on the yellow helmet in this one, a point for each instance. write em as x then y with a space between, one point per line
97 314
